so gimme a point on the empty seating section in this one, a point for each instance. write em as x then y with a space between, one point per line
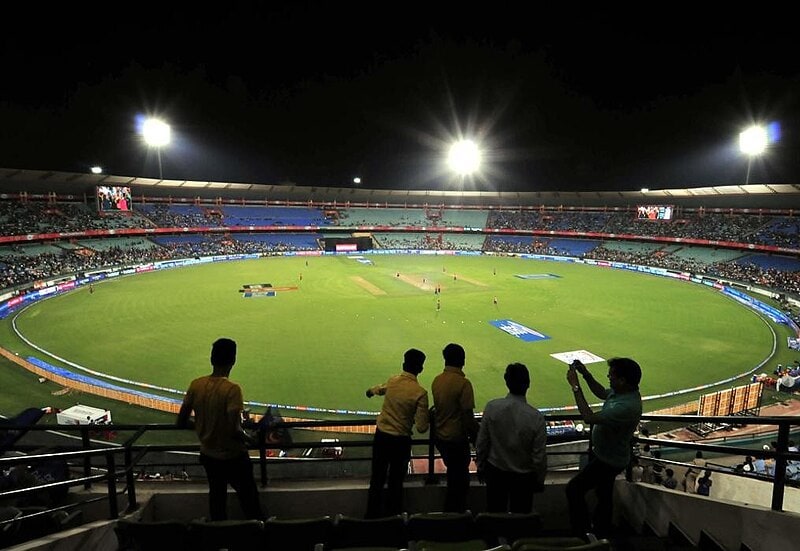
384 217
434 531
273 216
464 218
126 243
707 255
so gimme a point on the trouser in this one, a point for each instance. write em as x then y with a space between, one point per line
456 457
390 457
238 472
508 491
597 476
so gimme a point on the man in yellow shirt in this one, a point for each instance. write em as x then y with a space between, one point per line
217 405
455 425
405 405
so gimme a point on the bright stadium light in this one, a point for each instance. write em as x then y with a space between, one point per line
356 180
156 133
752 142
96 170
464 157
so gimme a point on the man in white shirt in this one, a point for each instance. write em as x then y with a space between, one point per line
510 448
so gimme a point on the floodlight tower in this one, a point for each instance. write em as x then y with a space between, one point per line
752 142
156 133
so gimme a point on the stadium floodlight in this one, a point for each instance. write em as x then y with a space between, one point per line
464 157
156 133
356 180
96 170
645 189
752 142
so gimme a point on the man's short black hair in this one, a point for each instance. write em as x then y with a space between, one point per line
454 355
223 352
413 361
628 369
518 380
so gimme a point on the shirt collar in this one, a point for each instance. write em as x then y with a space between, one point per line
451 369
408 375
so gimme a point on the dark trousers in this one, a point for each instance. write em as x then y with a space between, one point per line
390 457
597 476
238 472
456 457
507 491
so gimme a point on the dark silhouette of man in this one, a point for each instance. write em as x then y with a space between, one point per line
612 430
454 425
217 405
511 447
405 405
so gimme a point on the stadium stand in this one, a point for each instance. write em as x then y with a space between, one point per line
21 263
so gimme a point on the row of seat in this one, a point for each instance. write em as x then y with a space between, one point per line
421 531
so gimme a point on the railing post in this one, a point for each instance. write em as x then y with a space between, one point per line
262 454
113 509
431 478
779 484
130 479
87 461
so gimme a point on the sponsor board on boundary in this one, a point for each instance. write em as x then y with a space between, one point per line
584 356
262 290
518 330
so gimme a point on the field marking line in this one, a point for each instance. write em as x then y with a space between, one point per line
367 286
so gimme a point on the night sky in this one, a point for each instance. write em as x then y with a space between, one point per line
565 98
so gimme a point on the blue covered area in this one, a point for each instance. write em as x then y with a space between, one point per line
573 247
273 216
96 382
766 261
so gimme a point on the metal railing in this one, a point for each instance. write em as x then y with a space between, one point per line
133 453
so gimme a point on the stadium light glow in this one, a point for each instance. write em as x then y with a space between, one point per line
464 157
156 133
753 142
96 170
645 189
356 180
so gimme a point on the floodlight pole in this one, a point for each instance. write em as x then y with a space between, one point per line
749 164
161 174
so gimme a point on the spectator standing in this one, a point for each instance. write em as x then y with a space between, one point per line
669 480
704 484
454 424
613 428
217 405
405 405
510 448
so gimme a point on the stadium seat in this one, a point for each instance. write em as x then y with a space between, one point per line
301 534
560 544
134 535
429 530
351 532
500 528
233 535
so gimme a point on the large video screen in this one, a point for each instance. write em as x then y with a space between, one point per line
113 198
654 212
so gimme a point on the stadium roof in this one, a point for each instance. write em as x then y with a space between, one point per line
741 196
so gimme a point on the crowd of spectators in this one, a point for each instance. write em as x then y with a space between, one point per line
21 218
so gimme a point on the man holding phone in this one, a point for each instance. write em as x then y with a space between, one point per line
613 428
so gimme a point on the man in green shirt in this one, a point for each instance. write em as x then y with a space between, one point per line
612 429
